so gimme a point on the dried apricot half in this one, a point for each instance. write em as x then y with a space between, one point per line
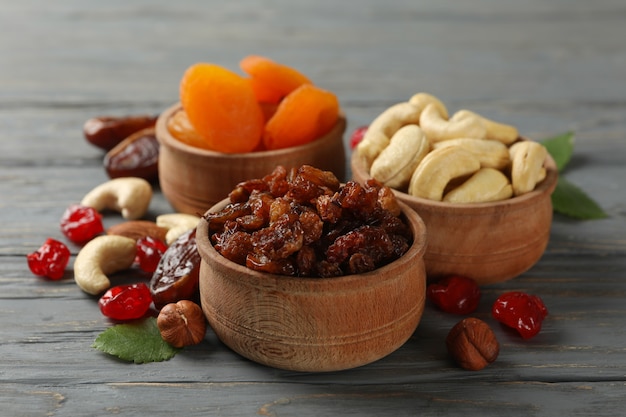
303 116
222 108
271 81
180 127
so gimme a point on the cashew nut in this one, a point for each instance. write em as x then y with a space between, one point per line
421 100
397 162
417 142
438 168
527 159
490 153
176 224
438 128
541 175
100 257
488 184
129 195
380 131
501 132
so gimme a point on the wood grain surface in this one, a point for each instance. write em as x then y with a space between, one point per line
546 67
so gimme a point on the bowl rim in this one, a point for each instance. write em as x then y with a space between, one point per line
545 187
415 251
165 138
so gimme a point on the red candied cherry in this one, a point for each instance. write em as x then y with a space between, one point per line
357 136
455 294
81 223
149 253
520 311
49 260
126 302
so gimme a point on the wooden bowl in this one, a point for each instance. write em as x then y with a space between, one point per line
489 242
194 179
313 324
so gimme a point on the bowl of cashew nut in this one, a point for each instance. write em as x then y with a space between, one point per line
483 191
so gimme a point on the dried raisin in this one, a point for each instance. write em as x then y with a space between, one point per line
312 227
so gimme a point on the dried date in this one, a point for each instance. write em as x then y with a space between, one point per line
135 156
178 273
107 131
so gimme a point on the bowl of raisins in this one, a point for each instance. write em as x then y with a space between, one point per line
193 178
304 273
490 241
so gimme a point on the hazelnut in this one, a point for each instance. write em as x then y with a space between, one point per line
182 323
472 344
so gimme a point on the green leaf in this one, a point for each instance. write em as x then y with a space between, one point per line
138 342
561 148
571 201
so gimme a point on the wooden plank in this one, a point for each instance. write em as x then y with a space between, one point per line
244 398
546 67
584 326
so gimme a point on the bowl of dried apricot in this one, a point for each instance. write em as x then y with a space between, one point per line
301 272
229 127
483 191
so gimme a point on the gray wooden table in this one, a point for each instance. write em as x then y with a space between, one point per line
546 67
